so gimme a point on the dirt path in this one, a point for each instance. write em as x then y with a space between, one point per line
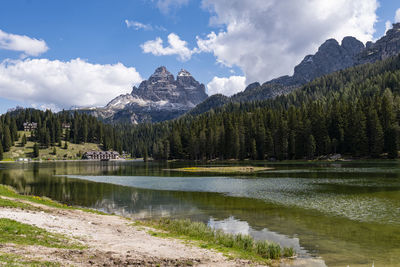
112 241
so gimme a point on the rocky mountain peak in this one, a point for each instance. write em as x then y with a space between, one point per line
184 72
387 46
161 74
352 45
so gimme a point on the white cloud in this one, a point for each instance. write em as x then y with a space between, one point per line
397 17
226 86
165 6
138 25
22 43
176 46
267 38
388 26
141 26
54 83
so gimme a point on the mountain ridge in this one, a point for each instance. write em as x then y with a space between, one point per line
161 97
330 57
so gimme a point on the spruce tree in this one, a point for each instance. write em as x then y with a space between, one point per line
36 150
1 151
311 146
7 142
23 141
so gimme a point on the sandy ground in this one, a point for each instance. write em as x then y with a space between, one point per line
112 241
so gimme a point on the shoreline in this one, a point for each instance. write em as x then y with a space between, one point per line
110 240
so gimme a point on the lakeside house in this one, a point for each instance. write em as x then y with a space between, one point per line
101 155
30 126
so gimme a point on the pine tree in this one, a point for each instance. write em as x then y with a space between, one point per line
1 151
253 149
23 141
311 146
392 141
36 150
7 142
375 134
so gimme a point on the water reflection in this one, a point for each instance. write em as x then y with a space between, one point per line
347 218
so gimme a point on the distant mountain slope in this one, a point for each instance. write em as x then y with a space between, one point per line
159 98
330 57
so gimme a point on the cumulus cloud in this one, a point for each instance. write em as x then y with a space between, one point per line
58 84
267 38
397 16
226 86
176 46
22 43
165 6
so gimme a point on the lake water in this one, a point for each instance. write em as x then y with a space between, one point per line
341 213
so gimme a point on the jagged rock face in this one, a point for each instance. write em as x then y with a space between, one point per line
161 86
195 92
387 46
159 98
331 57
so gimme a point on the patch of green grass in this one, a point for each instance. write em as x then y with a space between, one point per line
8 191
14 204
26 151
243 246
24 234
12 260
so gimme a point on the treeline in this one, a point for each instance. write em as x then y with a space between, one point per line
354 112
49 132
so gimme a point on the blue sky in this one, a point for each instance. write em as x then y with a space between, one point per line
80 43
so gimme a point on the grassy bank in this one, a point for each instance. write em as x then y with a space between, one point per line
242 246
24 234
9 192
74 151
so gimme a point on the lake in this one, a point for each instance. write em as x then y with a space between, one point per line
345 213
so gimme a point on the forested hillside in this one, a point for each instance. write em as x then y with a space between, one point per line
354 112
49 132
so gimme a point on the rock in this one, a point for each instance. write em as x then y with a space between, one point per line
159 98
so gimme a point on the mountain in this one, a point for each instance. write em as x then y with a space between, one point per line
330 57
161 97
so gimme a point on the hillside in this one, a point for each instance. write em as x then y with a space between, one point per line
72 152
50 131
330 57
353 112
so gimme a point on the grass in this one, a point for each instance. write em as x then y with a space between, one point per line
19 151
228 169
8 191
12 260
7 203
243 246
24 234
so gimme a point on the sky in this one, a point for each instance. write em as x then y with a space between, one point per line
60 54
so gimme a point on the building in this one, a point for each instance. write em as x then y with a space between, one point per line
30 126
65 125
101 155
